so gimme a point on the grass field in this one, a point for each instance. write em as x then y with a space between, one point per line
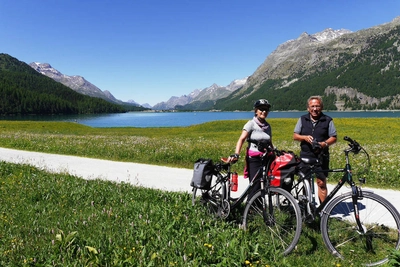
61 220
180 147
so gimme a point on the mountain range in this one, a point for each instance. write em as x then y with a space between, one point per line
77 83
211 93
81 85
351 70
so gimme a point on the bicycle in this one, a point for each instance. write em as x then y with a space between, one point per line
272 214
357 224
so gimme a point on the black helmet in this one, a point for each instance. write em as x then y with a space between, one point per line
262 102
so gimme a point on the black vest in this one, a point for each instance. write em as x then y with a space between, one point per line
320 133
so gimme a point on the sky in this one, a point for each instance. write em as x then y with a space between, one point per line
151 50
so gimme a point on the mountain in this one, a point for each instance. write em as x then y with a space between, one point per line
351 70
25 91
295 56
146 105
209 94
81 85
77 83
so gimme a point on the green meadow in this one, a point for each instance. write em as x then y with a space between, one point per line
181 146
61 220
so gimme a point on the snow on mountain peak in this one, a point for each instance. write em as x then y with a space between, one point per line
236 84
329 34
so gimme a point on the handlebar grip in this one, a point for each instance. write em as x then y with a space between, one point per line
354 145
346 138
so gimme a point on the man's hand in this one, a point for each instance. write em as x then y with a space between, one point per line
316 147
308 139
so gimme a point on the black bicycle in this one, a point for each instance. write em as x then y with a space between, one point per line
358 224
272 214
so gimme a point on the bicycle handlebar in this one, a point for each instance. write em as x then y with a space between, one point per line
355 147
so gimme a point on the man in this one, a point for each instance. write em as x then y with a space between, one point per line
316 128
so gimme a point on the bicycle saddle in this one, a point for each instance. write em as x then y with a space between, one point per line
311 161
225 160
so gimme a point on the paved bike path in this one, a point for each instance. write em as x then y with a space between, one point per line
151 176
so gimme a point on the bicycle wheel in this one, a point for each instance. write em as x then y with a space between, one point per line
380 222
214 197
205 194
194 195
279 230
302 192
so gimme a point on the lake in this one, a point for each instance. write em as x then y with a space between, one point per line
177 119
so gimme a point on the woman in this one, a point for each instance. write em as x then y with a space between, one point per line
257 132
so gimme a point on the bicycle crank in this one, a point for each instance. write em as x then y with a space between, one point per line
224 209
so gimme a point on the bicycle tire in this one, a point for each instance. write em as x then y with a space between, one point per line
214 197
379 218
194 195
282 230
302 192
205 193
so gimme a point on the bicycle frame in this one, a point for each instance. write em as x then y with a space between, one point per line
259 177
272 212
346 178
262 179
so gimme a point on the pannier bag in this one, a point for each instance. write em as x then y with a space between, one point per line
282 168
202 173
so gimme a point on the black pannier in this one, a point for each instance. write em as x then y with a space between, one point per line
202 173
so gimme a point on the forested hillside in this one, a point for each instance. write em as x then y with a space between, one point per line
25 91
354 71
374 73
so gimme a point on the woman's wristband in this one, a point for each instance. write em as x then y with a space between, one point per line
236 155
326 144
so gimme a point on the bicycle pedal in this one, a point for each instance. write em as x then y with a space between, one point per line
309 218
203 201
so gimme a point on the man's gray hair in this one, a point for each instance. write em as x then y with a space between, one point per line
317 97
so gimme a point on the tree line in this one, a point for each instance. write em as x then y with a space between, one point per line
24 91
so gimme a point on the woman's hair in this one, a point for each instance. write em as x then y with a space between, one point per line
317 97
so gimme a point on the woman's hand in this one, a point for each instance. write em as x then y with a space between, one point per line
233 157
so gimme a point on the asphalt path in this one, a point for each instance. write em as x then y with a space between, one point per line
150 176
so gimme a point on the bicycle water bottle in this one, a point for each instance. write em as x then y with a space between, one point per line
234 184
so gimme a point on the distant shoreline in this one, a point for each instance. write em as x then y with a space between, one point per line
182 119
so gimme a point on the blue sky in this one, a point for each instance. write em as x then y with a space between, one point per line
150 50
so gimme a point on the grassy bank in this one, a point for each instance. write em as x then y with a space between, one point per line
61 220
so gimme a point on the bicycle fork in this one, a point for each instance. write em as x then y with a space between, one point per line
356 194
305 194
266 201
